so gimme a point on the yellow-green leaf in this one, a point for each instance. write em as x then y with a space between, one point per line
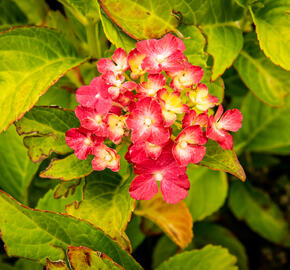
31 60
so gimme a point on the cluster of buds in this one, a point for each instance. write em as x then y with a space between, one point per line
154 97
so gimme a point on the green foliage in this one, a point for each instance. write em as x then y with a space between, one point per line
208 190
217 158
266 130
16 168
210 257
141 19
270 83
46 127
259 212
272 20
52 56
47 235
106 203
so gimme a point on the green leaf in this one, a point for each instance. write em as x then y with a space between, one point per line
11 15
35 10
142 19
106 203
58 265
47 127
51 203
210 258
134 232
209 233
16 168
83 258
224 44
261 214
217 158
84 10
116 35
59 95
38 235
21 264
268 82
64 188
194 42
264 129
208 191
31 60
68 168
224 38
272 20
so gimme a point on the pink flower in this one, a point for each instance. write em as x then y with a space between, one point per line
163 54
92 120
95 96
188 146
126 98
119 65
201 99
135 60
187 77
145 121
190 119
174 182
116 84
140 152
218 126
105 157
82 141
154 83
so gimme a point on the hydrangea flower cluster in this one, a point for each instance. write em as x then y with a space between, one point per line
153 96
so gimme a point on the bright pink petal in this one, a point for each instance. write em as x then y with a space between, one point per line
173 192
120 58
105 64
143 187
231 120
159 135
81 140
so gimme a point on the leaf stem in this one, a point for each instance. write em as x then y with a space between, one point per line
92 30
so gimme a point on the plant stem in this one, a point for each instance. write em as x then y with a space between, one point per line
92 30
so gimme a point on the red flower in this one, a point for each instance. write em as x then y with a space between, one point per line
105 157
145 121
82 141
163 54
174 182
142 151
116 84
190 119
119 65
218 126
92 120
95 96
187 77
152 86
188 146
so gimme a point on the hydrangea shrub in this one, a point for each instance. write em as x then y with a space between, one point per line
144 134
